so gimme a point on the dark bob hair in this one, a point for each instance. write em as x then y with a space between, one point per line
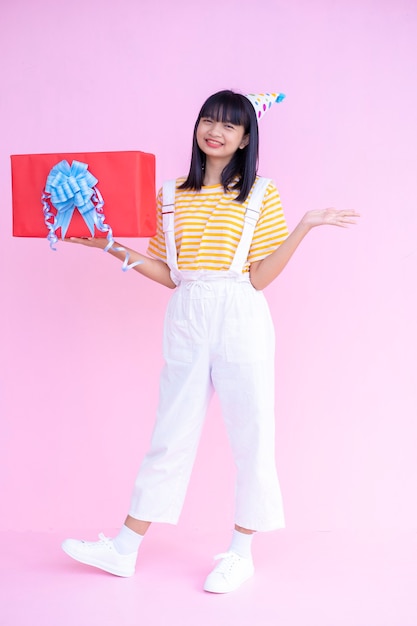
240 173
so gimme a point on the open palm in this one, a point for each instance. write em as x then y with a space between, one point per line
331 217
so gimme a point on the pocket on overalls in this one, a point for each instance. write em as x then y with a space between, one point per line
248 332
178 343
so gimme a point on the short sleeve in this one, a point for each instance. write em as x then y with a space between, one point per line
156 246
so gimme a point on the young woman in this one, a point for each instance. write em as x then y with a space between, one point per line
221 238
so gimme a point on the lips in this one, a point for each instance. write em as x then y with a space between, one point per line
212 143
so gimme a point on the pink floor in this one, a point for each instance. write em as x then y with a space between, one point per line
302 579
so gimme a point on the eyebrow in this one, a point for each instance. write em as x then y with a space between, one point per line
218 119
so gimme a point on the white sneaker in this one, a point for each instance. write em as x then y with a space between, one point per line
229 574
101 554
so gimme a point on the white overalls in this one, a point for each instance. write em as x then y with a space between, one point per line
218 335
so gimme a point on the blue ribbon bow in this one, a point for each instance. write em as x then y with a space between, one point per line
70 188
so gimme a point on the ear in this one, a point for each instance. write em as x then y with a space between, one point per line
244 142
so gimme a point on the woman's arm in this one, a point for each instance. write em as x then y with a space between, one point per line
151 268
263 272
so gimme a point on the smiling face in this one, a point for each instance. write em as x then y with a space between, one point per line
225 144
220 139
223 126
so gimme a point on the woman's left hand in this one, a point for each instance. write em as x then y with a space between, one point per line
332 217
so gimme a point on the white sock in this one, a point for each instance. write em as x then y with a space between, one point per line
242 544
127 541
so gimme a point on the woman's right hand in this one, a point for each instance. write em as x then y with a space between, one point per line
92 242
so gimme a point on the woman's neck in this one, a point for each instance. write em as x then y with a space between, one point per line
213 173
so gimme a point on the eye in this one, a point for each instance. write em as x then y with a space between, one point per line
227 125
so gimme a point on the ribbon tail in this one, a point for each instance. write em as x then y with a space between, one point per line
126 266
51 237
89 220
99 219
63 220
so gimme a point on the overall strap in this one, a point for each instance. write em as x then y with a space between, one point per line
168 225
251 218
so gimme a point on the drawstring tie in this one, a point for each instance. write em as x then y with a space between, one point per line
195 287
192 285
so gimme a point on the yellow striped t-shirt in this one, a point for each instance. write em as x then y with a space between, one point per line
209 224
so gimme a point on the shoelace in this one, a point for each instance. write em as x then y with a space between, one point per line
103 540
230 559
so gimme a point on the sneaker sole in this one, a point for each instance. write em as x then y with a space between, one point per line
212 588
97 564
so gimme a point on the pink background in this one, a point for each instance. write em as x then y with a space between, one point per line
81 342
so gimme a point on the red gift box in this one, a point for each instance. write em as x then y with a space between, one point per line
126 180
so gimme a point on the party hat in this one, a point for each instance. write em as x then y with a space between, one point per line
262 102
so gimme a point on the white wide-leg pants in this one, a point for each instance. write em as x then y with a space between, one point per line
218 336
